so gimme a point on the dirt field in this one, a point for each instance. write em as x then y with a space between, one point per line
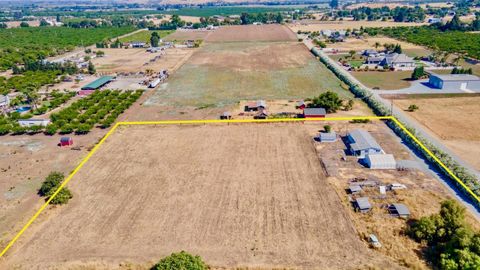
265 203
344 25
458 126
269 32
135 60
181 35
369 43
220 74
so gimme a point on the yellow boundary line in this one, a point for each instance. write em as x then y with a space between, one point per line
180 122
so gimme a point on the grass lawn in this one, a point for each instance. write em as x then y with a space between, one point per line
144 36
391 80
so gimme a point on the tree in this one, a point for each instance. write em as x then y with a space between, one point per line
244 18
3 25
333 4
154 39
327 128
279 18
376 45
181 260
351 53
91 68
62 197
397 48
349 105
412 108
53 180
328 100
418 73
44 23
100 53
24 24
51 129
58 19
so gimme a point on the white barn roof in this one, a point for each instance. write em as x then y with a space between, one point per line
363 140
381 161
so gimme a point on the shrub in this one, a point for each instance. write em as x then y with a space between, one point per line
53 179
412 108
180 261
62 197
327 128
4 129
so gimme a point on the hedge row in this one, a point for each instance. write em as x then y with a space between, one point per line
379 109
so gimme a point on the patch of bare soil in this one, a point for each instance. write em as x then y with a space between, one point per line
238 195
261 57
268 32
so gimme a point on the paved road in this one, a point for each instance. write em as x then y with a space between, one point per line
420 131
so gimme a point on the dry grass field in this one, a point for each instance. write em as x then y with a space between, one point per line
454 120
344 25
269 32
136 60
390 80
220 74
369 43
181 35
251 195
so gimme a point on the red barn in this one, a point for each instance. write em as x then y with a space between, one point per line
66 141
314 113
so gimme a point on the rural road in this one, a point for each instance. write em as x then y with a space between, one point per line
420 131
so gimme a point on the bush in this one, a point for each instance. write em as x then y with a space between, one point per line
51 129
180 261
327 128
63 196
53 179
412 108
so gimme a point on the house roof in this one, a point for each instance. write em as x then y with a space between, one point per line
394 58
355 188
363 203
457 77
98 83
331 136
400 208
314 111
4 99
382 159
363 140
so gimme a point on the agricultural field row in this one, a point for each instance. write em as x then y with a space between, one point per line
18 44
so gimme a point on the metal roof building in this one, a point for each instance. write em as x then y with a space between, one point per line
98 83
362 143
399 210
314 112
454 82
328 137
380 161
362 204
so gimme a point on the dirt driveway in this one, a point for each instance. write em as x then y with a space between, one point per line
251 195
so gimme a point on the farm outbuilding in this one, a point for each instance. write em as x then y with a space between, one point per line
314 113
380 161
362 205
362 143
98 83
399 210
33 122
328 137
354 189
66 141
455 82
260 105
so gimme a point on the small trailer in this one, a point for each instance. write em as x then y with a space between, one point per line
66 141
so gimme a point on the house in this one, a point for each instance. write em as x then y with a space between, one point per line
314 113
361 143
362 205
301 105
226 116
98 83
380 161
369 53
434 20
399 210
374 59
398 61
327 137
454 82
66 141
138 44
256 106
4 101
33 122
354 189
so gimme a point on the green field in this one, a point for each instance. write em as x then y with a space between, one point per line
225 11
144 36
211 77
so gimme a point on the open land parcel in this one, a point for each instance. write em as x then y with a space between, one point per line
279 193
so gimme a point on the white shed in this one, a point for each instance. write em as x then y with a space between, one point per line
380 161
